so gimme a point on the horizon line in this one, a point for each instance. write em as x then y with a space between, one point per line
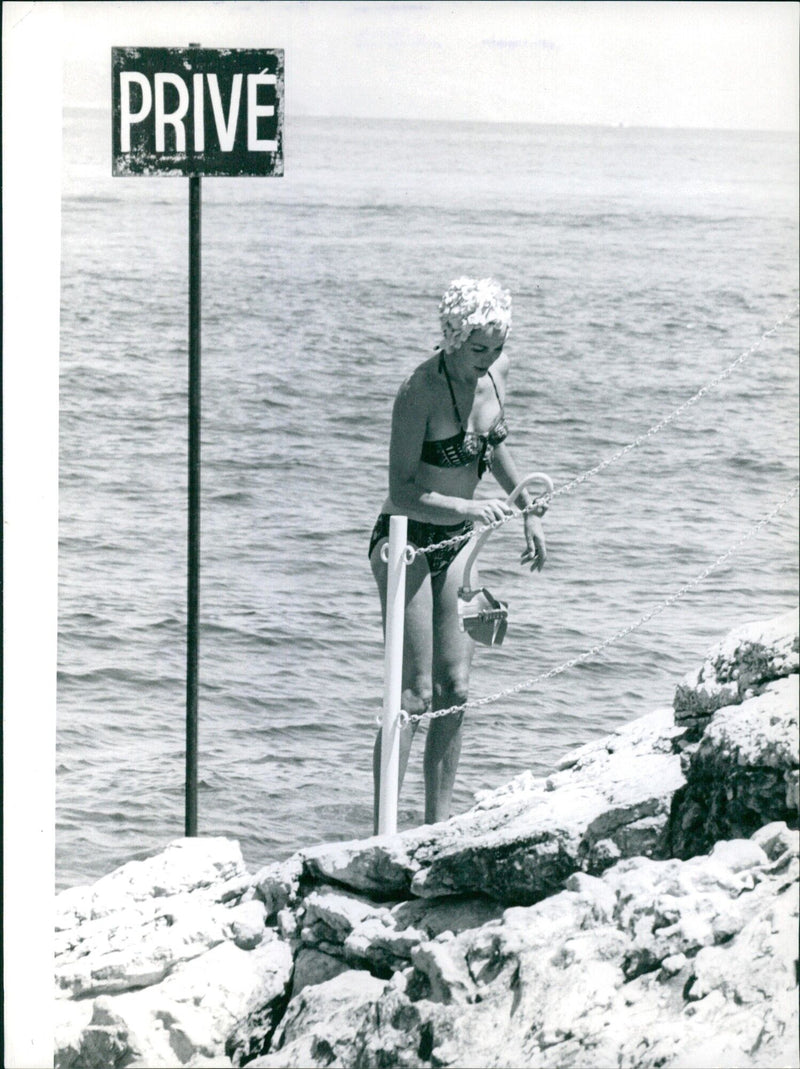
603 124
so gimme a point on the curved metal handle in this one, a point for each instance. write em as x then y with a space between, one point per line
535 477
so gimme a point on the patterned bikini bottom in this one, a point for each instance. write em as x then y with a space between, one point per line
422 535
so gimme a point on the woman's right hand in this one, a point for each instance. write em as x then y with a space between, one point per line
489 511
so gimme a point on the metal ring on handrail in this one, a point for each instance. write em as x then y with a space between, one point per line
409 553
403 719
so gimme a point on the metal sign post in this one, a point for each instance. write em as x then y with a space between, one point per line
193 555
191 112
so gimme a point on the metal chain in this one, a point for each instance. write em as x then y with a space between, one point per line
414 718
649 433
724 374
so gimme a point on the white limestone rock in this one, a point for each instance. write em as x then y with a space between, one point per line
222 998
313 966
735 668
125 954
330 915
320 1022
433 916
777 841
364 934
760 733
609 799
655 963
184 865
277 885
615 803
247 923
135 925
653 732
380 865
70 1021
520 842
741 775
176 946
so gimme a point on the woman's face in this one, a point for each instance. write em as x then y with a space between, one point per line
475 356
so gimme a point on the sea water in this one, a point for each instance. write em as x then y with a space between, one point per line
642 264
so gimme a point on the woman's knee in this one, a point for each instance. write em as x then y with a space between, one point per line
416 698
451 688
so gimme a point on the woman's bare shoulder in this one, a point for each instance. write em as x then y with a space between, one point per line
418 385
500 367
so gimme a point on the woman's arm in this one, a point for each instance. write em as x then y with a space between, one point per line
409 422
505 471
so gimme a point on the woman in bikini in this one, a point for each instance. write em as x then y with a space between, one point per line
448 429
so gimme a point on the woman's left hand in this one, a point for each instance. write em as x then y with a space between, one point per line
535 552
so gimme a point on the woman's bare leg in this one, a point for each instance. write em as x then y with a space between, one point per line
452 657
417 655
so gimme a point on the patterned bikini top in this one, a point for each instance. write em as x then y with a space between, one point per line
466 446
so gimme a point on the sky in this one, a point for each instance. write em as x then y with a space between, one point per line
676 63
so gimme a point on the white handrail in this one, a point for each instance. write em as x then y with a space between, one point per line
392 675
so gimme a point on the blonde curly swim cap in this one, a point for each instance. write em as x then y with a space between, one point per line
469 303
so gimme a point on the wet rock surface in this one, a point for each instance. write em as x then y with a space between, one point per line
637 907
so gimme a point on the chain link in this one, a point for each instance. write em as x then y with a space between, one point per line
589 654
649 433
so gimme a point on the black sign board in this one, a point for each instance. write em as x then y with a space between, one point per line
197 111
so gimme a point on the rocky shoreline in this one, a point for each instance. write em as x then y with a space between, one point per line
638 907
